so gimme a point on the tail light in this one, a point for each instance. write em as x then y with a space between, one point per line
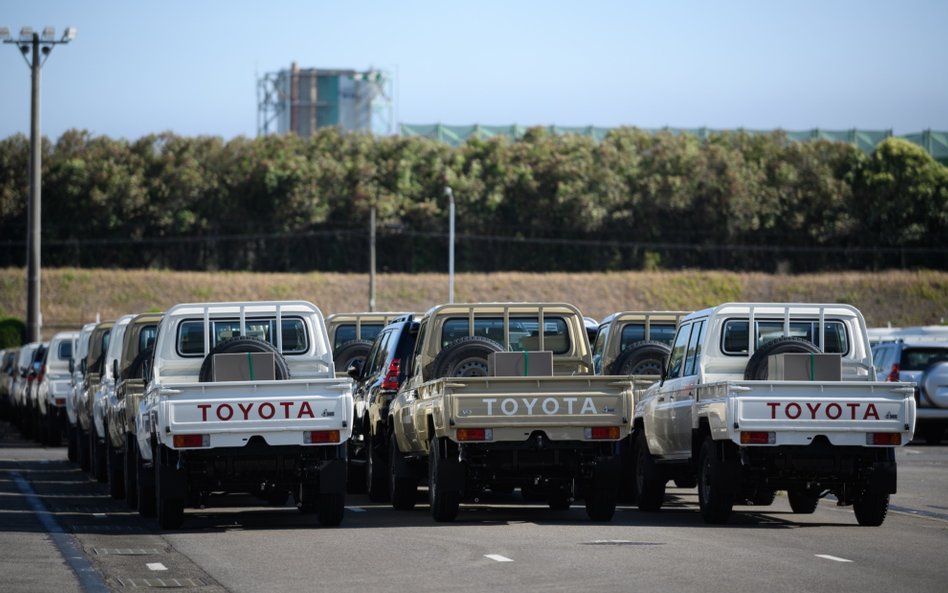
60 401
894 373
316 437
391 376
187 441
602 433
475 434
884 438
758 438
42 372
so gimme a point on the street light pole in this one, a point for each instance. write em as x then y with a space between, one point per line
29 40
450 194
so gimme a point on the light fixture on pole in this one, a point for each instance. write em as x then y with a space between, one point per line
450 194
39 43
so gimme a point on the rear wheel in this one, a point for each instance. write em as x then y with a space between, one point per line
716 483
72 451
445 501
82 448
97 456
649 482
871 509
330 508
601 503
145 480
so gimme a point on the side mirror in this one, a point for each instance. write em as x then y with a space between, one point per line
115 370
146 371
664 374
355 369
82 366
72 365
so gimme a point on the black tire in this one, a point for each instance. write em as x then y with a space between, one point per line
82 448
97 457
130 473
871 509
330 508
243 344
756 369
72 450
308 498
649 480
169 504
403 491
54 434
116 471
445 503
349 353
464 357
803 501
145 479
641 358
628 493
601 503
685 482
376 468
716 483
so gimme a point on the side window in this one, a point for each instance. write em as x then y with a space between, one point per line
381 354
694 349
600 346
677 358
631 333
371 356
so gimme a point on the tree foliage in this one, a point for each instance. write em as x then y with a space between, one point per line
544 202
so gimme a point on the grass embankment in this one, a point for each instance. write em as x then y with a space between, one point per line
71 297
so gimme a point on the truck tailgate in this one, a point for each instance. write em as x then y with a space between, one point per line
538 402
845 411
279 411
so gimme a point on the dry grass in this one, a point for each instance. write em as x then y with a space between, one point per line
74 296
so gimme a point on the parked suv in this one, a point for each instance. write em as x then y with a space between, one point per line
351 335
377 380
923 361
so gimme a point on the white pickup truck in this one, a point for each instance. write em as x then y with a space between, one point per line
762 397
243 397
503 395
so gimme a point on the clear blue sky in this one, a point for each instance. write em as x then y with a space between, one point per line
138 67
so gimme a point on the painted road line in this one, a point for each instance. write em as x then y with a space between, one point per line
99 515
156 566
497 558
355 509
89 579
833 558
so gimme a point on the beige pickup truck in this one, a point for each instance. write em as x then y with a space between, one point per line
501 396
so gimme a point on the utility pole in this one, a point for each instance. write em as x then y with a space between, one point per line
29 40
372 259
450 194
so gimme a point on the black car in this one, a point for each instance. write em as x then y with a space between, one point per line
377 381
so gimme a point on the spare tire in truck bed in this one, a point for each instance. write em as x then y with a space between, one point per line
756 369
349 353
243 344
641 358
464 357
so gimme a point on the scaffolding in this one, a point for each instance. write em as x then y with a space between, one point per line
304 100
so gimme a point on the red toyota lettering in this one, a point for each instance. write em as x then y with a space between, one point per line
286 409
773 409
829 414
798 410
204 408
871 411
270 414
813 409
220 412
246 410
305 409
852 410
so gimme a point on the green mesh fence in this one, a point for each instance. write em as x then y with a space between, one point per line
935 143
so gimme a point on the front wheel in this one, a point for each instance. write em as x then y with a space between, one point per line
115 471
803 501
145 481
130 473
716 481
649 482
402 490
72 451
445 501
169 504
375 469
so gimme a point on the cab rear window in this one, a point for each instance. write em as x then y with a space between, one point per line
191 334
347 332
734 336
635 332
524 332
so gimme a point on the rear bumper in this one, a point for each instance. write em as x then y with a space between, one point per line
823 464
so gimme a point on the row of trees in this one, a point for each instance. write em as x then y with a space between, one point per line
735 200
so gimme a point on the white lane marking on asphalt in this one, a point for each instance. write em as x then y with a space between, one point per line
498 558
355 509
833 558
99 515
156 566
